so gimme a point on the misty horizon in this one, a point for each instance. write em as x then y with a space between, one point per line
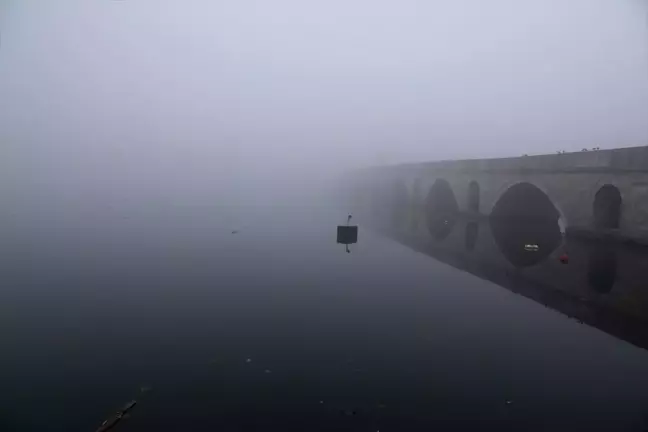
252 98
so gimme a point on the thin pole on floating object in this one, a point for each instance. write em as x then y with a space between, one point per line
346 246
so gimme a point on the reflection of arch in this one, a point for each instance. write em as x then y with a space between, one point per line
473 196
524 222
441 209
472 231
601 269
607 207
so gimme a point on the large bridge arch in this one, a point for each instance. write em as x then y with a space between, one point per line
606 208
441 209
503 186
525 224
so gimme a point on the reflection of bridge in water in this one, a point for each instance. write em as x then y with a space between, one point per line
602 285
505 220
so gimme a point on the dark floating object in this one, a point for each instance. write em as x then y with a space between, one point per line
347 234
235 232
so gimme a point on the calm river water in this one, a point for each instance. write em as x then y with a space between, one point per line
275 327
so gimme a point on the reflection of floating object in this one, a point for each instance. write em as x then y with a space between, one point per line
531 247
347 234
564 258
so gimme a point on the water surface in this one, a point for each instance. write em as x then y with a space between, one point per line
276 327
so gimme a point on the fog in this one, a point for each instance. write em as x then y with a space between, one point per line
253 101
167 217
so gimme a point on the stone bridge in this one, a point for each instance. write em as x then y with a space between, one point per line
505 220
586 192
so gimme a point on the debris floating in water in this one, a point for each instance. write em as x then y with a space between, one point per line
235 232
509 402
531 247
267 371
248 360
120 415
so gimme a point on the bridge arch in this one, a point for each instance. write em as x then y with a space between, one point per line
441 209
607 207
526 224
504 187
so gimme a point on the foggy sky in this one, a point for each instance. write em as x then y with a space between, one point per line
180 96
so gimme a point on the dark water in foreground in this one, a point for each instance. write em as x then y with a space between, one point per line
277 328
